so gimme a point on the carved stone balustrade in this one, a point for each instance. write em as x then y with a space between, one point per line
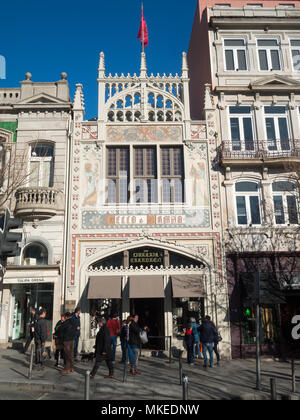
36 203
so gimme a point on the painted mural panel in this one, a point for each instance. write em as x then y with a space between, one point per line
197 177
91 176
148 133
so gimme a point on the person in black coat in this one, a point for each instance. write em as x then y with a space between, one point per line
59 351
135 342
31 325
40 337
67 333
103 350
189 340
76 318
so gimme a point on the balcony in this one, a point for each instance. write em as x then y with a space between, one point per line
36 203
259 152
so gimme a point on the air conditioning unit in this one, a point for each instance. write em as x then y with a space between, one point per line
30 261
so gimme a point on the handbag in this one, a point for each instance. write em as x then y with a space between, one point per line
143 337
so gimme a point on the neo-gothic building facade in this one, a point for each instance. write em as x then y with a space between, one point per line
145 221
175 199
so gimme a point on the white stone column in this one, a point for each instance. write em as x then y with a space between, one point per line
267 201
125 297
5 314
230 202
168 310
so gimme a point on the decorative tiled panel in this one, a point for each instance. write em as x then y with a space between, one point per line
135 218
89 132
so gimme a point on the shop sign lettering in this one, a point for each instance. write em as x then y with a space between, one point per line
146 257
32 280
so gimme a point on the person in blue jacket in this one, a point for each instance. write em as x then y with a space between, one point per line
208 333
195 329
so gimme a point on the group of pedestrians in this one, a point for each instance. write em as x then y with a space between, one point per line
106 342
203 336
199 339
66 335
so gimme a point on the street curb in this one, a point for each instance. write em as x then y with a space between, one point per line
27 386
46 387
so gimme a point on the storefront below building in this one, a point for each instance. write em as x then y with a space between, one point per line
22 298
278 304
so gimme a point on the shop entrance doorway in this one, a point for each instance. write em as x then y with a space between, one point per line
22 298
151 315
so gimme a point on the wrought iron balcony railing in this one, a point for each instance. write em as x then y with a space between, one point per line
259 149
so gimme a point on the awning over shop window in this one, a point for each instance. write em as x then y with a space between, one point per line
146 287
104 287
188 286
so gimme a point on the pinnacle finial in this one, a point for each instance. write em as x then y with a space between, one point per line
78 99
101 69
185 67
143 68
208 103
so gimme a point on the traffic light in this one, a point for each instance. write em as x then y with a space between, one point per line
9 240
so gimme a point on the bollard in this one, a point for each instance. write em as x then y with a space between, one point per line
87 386
273 389
31 361
293 376
185 385
180 366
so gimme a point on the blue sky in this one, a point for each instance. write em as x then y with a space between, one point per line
48 37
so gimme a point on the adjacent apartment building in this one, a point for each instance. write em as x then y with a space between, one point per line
35 121
249 51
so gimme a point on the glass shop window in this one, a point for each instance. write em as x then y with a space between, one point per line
269 324
183 310
103 308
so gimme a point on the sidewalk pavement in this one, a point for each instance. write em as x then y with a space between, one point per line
159 380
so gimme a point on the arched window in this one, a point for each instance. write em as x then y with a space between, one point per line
35 254
285 199
247 203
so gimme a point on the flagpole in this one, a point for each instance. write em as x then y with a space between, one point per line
143 27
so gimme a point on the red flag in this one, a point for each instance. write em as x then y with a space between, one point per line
143 31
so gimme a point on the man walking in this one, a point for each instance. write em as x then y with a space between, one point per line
67 333
31 325
208 334
113 325
135 342
76 318
103 350
40 336
59 352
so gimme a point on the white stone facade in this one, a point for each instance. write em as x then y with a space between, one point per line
42 114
